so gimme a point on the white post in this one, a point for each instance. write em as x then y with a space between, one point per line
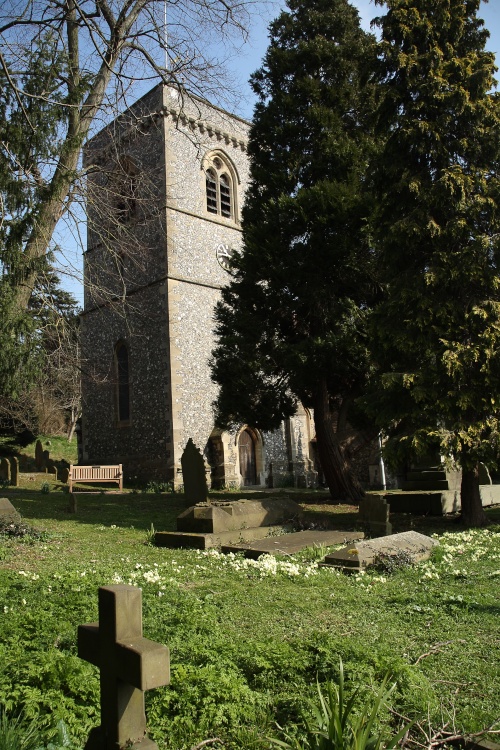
381 462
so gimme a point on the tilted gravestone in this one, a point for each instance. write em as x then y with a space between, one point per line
193 474
5 469
129 665
8 514
411 545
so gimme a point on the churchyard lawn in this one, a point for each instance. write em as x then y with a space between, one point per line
248 640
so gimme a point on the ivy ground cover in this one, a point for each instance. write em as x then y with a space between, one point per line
248 640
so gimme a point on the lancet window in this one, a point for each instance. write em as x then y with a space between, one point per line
122 382
220 188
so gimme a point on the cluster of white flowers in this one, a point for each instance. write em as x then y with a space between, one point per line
475 543
459 549
367 580
459 572
265 566
29 576
142 573
428 571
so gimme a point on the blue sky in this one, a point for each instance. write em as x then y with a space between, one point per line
248 60
251 56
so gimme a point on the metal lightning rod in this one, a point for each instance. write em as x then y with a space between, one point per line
165 34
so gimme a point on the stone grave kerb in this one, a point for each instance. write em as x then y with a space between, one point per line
129 665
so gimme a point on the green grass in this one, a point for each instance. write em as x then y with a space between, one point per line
248 641
58 446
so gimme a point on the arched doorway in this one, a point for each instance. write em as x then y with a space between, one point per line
248 463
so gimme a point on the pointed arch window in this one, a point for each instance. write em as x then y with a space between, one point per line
220 188
122 382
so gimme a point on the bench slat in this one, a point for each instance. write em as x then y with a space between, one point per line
95 474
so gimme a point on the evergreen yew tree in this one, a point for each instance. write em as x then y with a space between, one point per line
292 323
437 229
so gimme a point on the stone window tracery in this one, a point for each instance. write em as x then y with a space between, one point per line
220 188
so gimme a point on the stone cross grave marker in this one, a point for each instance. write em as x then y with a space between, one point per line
193 473
129 665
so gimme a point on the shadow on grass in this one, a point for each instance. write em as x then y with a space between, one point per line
140 510
127 510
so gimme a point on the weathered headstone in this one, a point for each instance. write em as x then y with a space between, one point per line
8 514
51 468
374 512
5 469
65 475
129 665
411 545
14 471
193 473
38 455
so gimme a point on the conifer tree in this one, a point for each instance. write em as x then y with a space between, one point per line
437 229
292 323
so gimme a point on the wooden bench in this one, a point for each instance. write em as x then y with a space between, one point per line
99 474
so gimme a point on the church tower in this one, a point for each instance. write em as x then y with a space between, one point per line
166 182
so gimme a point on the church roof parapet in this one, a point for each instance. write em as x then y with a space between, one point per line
145 111
205 127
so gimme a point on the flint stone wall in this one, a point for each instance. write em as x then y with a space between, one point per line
156 291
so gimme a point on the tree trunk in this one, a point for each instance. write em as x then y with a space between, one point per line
343 485
75 416
81 115
472 508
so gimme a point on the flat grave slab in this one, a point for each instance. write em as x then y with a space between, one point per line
179 539
288 544
414 546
